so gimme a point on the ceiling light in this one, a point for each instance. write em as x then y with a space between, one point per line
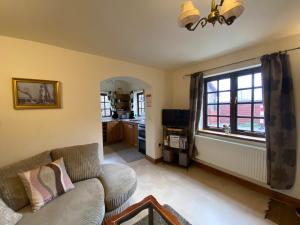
190 15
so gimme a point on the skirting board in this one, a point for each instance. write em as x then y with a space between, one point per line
155 161
255 187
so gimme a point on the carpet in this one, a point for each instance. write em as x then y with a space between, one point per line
127 153
282 214
158 220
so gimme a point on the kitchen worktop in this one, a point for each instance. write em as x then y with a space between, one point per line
137 120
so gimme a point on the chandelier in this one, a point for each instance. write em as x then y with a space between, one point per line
190 15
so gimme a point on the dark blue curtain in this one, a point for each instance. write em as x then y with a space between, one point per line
280 121
196 90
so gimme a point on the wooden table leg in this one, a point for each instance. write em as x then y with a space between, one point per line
150 217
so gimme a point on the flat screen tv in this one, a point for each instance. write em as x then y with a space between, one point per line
175 117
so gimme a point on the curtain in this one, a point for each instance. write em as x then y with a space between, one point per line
280 121
196 90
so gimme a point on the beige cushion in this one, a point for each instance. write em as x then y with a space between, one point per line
12 190
82 161
119 182
84 205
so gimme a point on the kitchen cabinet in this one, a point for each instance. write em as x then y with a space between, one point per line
114 132
117 131
130 133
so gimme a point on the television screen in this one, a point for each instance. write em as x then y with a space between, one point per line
175 117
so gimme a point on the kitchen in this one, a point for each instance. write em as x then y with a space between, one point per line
123 119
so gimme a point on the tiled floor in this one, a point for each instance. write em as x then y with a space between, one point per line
202 198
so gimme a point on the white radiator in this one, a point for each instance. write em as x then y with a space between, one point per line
247 160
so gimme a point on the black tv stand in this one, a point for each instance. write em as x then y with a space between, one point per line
175 145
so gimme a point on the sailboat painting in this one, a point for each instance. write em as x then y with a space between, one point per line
36 94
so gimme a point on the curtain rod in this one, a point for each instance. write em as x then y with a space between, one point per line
245 60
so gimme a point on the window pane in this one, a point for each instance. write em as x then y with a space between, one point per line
257 80
102 98
244 109
245 95
108 112
259 125
102 105
141 98
245 81
103 113
212 110
224 84
224 110
212 121
244 124
224 121
258 110
107 105
212 98
212 86
258 94
224 97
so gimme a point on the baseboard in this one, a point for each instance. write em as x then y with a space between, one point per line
154 161
255 187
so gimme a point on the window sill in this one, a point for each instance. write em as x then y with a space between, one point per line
234 136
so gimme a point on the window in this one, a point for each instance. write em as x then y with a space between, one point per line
235 100
105 105
140 104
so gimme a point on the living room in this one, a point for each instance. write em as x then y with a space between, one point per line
81 44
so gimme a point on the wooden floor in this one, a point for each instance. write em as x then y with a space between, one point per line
201 197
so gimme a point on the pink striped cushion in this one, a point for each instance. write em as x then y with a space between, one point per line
45 183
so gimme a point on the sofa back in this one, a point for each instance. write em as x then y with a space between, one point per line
82 162
12 190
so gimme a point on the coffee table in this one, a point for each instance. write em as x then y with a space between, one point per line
152 206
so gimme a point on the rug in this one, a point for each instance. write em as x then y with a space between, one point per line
282 214
158 220
127 153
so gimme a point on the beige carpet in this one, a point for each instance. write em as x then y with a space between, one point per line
200 197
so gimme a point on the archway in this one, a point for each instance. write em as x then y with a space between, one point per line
124 118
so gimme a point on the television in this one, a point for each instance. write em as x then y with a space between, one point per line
175 117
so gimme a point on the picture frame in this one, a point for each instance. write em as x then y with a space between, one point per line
36 94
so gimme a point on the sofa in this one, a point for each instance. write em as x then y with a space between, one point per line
91 201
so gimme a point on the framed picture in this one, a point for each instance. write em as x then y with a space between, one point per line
36 94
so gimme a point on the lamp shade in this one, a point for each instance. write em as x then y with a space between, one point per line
232 9
189 14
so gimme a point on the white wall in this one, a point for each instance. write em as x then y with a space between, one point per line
115 85
222 155
26 132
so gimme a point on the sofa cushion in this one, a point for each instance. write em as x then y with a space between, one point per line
7 215
82 161
45 183
84 205
119 182
12 190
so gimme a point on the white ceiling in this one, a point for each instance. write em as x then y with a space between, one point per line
144 31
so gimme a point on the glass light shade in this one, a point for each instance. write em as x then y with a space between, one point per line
232 9
189 14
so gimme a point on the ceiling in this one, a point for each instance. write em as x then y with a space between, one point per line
144 31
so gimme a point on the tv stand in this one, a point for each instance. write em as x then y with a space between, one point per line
175 145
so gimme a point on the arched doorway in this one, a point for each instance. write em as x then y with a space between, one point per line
123 112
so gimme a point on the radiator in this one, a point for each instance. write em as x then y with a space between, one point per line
247 160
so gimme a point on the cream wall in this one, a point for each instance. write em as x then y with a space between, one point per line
26 132
222 155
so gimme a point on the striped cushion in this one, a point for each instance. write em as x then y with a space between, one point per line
11 188
45 183
82 161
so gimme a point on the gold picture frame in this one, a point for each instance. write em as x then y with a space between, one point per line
36 94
